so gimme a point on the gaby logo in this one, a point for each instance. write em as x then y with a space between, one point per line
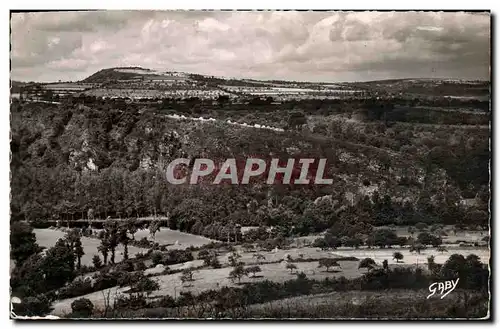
444 288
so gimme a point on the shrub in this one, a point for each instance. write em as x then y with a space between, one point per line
140 266
33 306
157 258
134 301
127 266
146 284
82 308
96 260
76 288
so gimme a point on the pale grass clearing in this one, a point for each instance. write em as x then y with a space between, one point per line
379 255
48 238
206 279
168 236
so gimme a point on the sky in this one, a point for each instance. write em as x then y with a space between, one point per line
289 45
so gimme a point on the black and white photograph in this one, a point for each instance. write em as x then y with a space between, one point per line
250 164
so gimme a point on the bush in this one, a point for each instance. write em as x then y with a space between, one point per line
96 260
76 288
145 284
127 266
157 258
134 301
128 279
33 306
82 308
140 266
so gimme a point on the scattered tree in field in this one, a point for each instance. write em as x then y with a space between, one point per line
248 247
78 250
418 247
110 238
429 239
187 275
124 240
146 284
291 267
385 264
212 260
132 227
82 308
22 242
328 262
233 259
96 261
253 269
103 248
397 256
431 264
238 272
259 257
442 249
421 226
368 263
154 227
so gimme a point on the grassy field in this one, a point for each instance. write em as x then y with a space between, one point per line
365 304
47 238
379 255
205 279
168 236
273 266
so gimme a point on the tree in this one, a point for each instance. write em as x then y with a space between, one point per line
187 275
442 249
253 269
353 242
124 240
398 256
421 226
82 308
296 119
385 264
233 259
212 260
383 238
132 227
368 263
418 247
96 261
411 230
103 248
454 267
22 242
292 267
248 247
238 272
431 264
112 237
429 239
154 227
259 257
79 252
328 262
58 264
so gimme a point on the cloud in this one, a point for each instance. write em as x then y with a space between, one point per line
327 46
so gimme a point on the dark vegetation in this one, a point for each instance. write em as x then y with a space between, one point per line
94 158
